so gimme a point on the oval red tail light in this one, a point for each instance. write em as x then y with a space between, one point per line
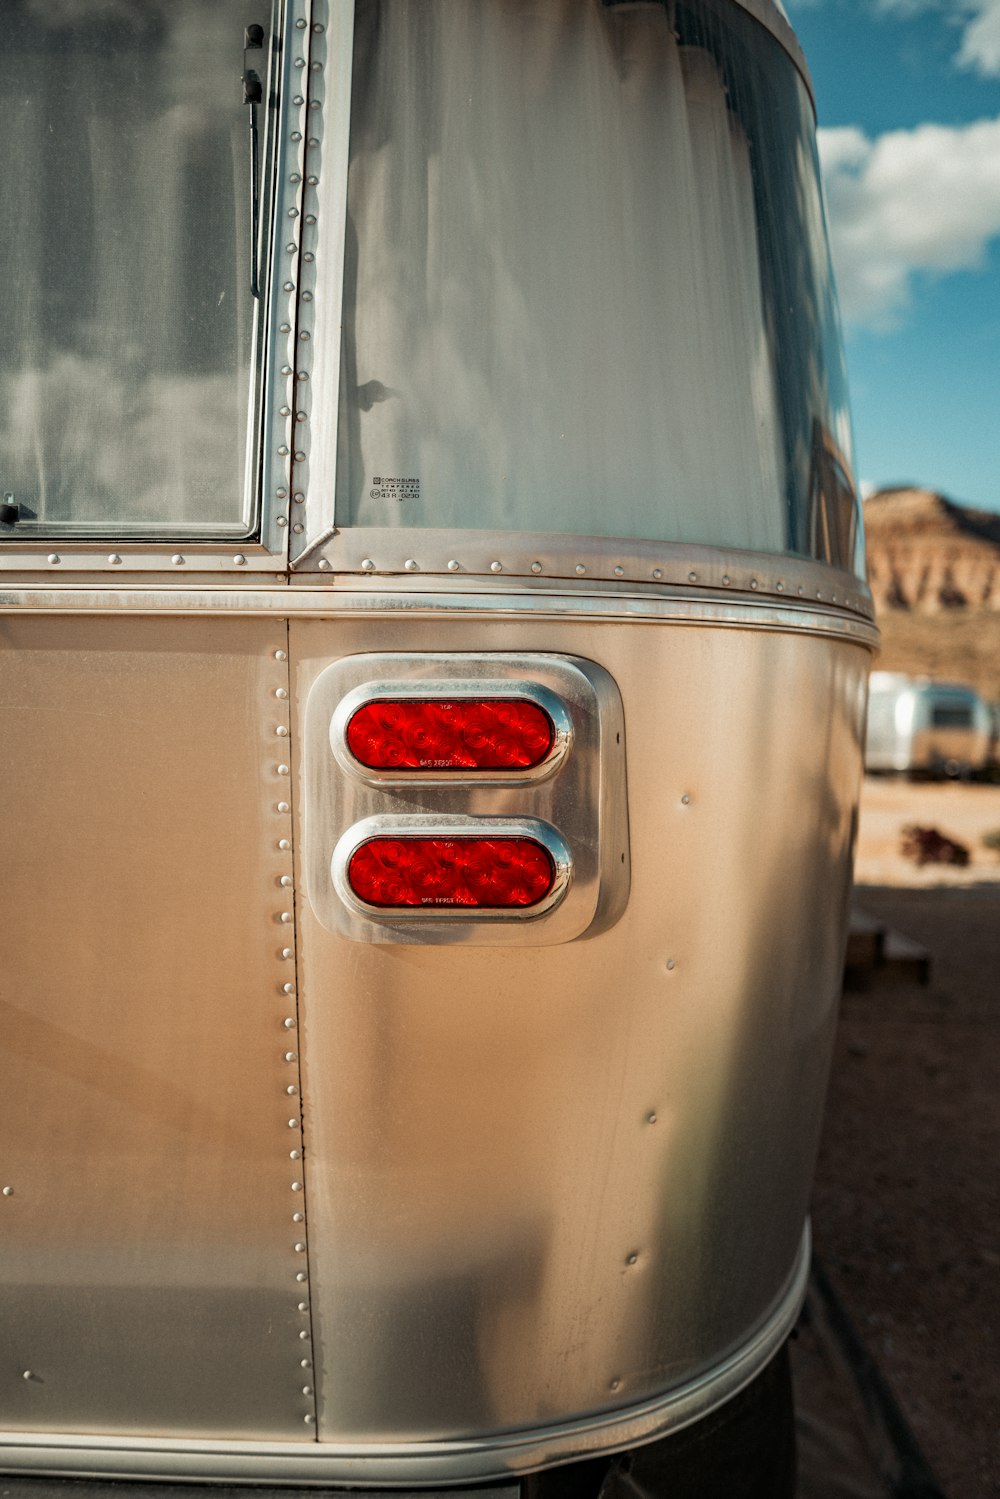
467 873
435 734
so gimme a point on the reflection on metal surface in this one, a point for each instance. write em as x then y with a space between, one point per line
125 254
689 403
493 1133
574 802
410 1461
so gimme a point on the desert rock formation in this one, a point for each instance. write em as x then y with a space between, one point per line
927 554
934 569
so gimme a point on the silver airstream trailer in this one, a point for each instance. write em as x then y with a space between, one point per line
433 687
919 726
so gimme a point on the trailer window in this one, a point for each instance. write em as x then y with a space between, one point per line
951 716
129 326
587 281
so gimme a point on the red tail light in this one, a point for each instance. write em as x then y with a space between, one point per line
483 873
457 734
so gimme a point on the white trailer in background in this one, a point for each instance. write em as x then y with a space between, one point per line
918 726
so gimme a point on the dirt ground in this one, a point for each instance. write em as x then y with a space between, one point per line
907 1202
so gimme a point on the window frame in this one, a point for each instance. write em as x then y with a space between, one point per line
264 546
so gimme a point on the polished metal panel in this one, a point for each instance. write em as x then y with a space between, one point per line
578 808
149 1270
405 1463
550 1181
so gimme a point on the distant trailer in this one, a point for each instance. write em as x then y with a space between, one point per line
916 726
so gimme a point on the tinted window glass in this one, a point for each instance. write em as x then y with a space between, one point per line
127 320
587 280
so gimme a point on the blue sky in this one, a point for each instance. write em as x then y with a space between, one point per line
908 95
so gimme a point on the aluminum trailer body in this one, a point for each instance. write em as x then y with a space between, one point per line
433 693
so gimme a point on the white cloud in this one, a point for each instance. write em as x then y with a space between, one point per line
980 49
917 200
978 22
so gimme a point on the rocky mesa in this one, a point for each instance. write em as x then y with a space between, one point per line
934 571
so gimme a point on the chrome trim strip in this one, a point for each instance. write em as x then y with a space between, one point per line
277 416
666 604
412 1463
412 553
321 290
